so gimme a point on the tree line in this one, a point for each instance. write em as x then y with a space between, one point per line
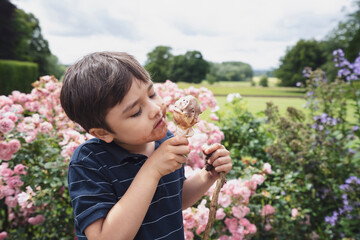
21 39
192 67
319 54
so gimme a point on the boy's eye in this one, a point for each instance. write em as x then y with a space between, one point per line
153 95
137 114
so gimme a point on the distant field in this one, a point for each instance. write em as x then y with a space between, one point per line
257 97
258 104
245 88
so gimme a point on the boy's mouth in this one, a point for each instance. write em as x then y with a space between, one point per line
160 122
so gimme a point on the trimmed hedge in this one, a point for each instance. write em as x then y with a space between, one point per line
17 75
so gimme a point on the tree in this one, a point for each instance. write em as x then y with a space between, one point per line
306 53
31 45
190 67
230 71
158 63
21 39
264 82
7 33
347 34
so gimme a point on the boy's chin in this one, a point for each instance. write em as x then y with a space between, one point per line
161 135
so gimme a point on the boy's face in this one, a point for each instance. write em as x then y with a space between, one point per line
139 119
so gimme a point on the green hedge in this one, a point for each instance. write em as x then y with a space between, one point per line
16 75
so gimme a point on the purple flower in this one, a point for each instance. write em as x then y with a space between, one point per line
355 128
334 121
344 187
332 220
307 72
352 151
298 84
353 179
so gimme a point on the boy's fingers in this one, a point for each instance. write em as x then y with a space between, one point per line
181 150
178 140
218 153
212 148
224 168
222 161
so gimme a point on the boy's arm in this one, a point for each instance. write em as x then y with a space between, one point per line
195 187
129 212
126 216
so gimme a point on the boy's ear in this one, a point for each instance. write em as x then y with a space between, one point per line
102 134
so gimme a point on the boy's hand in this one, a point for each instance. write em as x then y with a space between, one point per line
220 158
169 156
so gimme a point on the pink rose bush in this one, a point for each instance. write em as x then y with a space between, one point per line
37 140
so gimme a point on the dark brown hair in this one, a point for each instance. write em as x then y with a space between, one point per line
96 83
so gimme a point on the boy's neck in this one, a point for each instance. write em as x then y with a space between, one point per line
146 149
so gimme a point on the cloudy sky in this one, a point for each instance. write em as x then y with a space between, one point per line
252 31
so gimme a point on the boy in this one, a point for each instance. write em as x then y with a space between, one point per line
128 182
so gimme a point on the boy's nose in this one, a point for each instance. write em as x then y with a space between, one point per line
156 108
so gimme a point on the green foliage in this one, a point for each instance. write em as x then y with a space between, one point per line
347 34
264 81
30 45
311 156
21 39
7 33
162 65
231 71
317 151
306 53
15 75
190 67
47 171
158 63
245 136
54 67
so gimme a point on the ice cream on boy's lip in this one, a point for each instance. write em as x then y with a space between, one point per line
186 113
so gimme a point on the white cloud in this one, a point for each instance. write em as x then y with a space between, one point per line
257 32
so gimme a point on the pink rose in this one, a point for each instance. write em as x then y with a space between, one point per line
22 199
5 171
259 179
232 224
220 214
224 200
3 235
240 211
294 212
14 182
188 235
268 227
244 222
5 151
6 125
11 201
20 169
36 220
267 210
267 168
214 117
45 127
14 145
251 228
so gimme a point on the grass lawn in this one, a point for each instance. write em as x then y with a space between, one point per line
257 97
245 88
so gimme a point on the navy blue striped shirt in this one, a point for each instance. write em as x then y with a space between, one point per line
99 175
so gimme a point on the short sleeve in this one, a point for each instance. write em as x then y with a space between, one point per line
92 196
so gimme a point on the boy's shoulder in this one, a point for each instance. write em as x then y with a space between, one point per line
91 146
